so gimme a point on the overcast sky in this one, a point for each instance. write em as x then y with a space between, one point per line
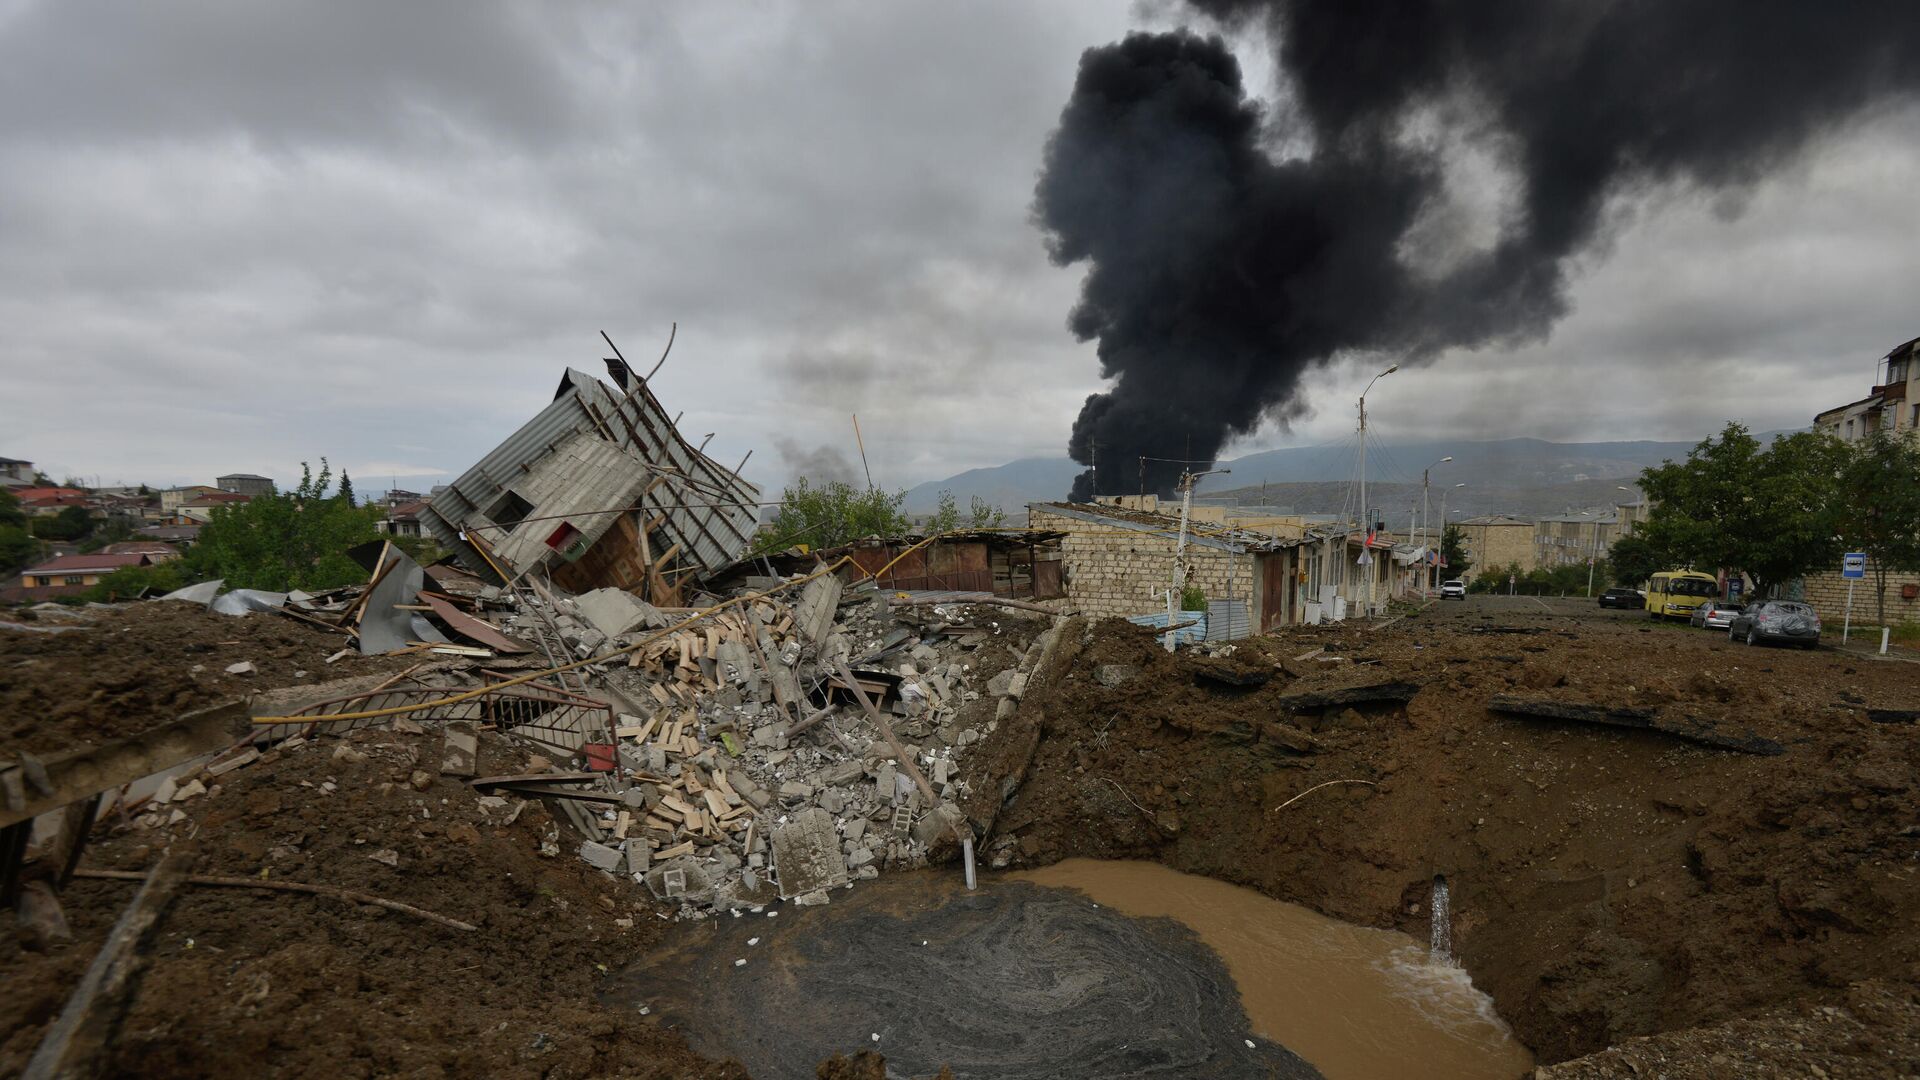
238 236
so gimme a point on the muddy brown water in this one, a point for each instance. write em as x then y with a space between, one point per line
1356 1003
1083 969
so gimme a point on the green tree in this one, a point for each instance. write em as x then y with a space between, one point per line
287 540
981 514
10 512
1633 559
1880 498
832 514
71 523
346 487
18 549
131 582
1453 549
1735 505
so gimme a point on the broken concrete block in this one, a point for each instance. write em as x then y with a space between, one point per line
1006 709
813 612
614 612
244 667
856 828
1017 686
806 854
1001 683
832 801
1113 675
165 792
755 795
845 772
600 856
460 755
883 782
816 898
859 858
794 789
941 768
639 856
937 824
193 787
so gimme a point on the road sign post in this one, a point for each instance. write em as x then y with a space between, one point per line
1853 567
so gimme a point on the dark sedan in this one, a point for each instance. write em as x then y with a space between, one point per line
1785 621
1623 598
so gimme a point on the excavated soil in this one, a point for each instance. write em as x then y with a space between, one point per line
245 983
120 670
1606 884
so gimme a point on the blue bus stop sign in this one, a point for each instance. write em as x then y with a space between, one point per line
1853 565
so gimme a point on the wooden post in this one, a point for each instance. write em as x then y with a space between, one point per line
73 1045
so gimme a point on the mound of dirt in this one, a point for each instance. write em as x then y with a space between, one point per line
1607 884
244 983
129 667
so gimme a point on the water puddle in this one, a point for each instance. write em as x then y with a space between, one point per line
1357 1003
1084 969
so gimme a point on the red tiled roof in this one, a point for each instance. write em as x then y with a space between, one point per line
407 510
45 492
73 564
55 500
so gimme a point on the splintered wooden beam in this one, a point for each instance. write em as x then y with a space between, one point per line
73 1045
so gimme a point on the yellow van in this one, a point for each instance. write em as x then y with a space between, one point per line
1675 593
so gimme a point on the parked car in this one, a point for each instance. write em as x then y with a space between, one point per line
1714 614
1453 589
1776 620
1622 597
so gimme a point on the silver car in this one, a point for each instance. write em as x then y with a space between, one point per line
1776 620
1715 614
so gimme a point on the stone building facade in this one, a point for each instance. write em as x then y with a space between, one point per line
1497 541
1827 593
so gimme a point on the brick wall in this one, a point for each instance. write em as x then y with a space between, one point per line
1112 571
1828 594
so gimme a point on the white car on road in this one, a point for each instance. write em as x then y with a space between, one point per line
1453 590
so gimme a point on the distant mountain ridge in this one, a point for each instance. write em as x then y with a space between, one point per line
1533 473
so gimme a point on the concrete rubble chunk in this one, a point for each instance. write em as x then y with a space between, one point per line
806 854
192 788
794 789
1114 675
883 782
600 856
460 755
938 823
856 828
813 613
845 772
614 612
1000 684
1017 686
244 667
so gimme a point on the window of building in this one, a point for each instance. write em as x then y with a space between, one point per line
74 580
45 581
509 510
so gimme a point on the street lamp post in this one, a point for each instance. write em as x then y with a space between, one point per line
1426 581
1366 513
1444 492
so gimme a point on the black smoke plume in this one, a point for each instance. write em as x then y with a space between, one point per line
1229 252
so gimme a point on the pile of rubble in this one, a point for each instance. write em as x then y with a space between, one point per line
741 765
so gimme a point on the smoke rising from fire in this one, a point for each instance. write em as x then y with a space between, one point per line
1221 268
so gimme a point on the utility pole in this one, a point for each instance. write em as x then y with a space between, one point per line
1180 548
1426 526
1365 510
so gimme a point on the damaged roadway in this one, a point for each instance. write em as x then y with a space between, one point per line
1608 884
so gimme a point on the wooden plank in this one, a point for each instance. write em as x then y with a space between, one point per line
715 804
75 1043
683 848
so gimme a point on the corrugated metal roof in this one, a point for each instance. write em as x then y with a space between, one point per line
710 536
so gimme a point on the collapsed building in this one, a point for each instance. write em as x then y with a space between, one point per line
598 489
